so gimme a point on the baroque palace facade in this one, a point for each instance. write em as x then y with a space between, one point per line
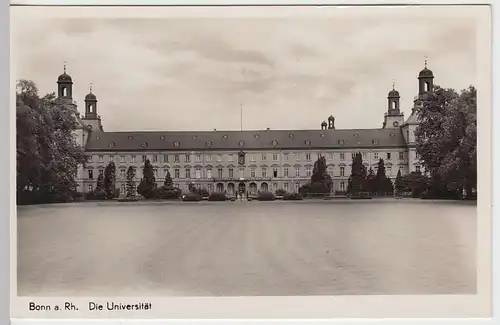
246 160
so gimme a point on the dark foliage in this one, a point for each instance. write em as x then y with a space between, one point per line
266 196
217 196
192 197
292 197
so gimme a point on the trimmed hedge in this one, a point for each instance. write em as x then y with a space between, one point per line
293 197
215 196
266 196
192 197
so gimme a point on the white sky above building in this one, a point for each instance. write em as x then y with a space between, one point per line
287 71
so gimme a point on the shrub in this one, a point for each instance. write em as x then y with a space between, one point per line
97 195
168 193
281 192
191 197
266 196
293 197
215 196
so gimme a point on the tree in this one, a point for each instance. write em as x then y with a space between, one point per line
371 185
110 180
47 154
399 184
358 175
168 180
99 191
148 182
382 182
446 139
131 182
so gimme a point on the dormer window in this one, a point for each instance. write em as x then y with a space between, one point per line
130 137
224 137
209 143
242 143
144 144
341 141
162 137
374 141
307 142
274 142
176 144
111 144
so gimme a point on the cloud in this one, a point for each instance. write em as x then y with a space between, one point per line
195 73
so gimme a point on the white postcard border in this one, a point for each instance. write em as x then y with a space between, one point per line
457 306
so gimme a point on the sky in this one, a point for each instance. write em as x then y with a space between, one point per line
283 71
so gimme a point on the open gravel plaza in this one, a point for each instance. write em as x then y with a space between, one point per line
279 248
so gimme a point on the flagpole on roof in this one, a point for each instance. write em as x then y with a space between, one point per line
241 117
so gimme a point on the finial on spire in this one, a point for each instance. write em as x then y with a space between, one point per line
393 83
65 62
425 60
90 87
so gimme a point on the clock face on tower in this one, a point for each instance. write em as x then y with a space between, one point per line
395 123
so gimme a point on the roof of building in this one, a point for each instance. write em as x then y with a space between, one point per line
244 140
393 93
65 78
413 118
90 97
426 73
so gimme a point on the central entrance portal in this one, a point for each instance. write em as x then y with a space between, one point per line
241 188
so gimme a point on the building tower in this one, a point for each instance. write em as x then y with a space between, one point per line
331 122
91 118
393 118
324 125
425 80
65 86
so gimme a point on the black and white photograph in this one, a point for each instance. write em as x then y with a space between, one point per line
305 151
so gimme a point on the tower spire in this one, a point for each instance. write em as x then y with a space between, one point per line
393 83
425 60
65 62
90 87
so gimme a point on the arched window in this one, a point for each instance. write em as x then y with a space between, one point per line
342 186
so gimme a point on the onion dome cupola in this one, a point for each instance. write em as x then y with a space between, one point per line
90 104
331 122
65 85
425 80
324 125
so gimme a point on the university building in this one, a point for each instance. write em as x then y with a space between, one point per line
250 160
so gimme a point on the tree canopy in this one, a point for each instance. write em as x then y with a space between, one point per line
47 153
446 138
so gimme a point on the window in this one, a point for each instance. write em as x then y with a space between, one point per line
101 159
400 169
241 173
417 156
275 156
209 188
308 171
132 159
342 156
252 172
388 170
165 158
375 155
285 172
364 155
275 172
297 187
177 173
285 157
176 158
231 173
122 159
342 171
308 156
123 189
208 157
91 174
197 157
330 156
144 157
264 172
198 173
275 187
188 172
155 172
219 157
297 156
187 158
388 155
122 173
285 186
252 158
219 172
91 188
231 157
264 156
401 155
342 186
209 173
297 172
165 172
330 172
417 169
101 172
155 158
